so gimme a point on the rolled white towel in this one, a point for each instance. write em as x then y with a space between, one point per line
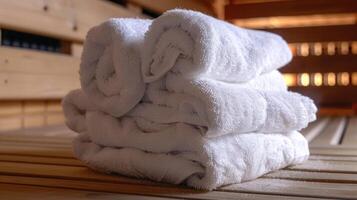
110 65
197 45
178 153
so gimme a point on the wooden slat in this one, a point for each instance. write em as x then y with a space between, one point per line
36 151
160 6
20 192
24 72
329 95
63 19
41 160
322 64
313 176
330 151
315 128
289 8
350 137
170 191
332 133
298 188
333 158
317 33
327 166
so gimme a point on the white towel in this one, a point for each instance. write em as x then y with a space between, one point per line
178 154
260 105
197 45
110 65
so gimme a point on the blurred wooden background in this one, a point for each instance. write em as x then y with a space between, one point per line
41 42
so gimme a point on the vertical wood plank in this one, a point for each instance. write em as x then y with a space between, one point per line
315 128
350 137
332 133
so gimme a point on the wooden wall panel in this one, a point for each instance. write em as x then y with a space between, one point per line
318 33
289 8
65 19
27 74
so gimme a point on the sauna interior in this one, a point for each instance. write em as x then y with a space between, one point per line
41 45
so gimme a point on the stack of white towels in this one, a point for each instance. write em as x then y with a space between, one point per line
186 99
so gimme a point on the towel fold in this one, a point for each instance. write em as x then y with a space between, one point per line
179 154
262 104
197 45
110 65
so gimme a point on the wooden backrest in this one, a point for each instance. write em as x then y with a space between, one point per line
322 35
34 76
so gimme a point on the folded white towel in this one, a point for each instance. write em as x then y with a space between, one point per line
177 153
197 45
110 65
262 104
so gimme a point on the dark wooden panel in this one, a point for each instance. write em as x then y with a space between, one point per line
329 95
325 63
289 8
318 33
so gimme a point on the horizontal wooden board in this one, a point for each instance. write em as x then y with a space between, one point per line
297 188
322 64
289 8
28 192
28 74
69 20
317 33
313 176
160 6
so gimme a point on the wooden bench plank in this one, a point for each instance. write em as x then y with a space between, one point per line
36 151
41 160
332 133
313 176
333 158
23 72
350 137
327 166
289 8
329 151
315 128
298 188
20 192
169 191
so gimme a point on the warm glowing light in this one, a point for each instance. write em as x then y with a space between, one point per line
354 47
304 79
317 49
293 49
304 49
290 79
343 78
317 79
297 21
330 79
354 78
344 48
331 48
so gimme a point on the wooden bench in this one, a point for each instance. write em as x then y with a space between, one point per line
36 159
44 165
